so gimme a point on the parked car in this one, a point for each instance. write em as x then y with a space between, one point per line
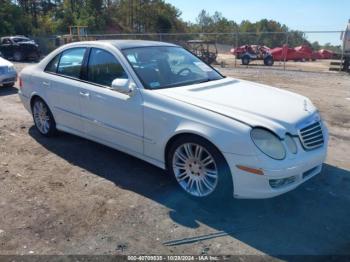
19 48
8 74
216 135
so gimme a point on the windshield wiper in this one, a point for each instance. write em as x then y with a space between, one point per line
204 81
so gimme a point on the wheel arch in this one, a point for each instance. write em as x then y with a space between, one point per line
32 99
185 133
37 96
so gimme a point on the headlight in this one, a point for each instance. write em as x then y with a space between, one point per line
292 146
268 143
11 69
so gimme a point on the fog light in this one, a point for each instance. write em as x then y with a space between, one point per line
277 183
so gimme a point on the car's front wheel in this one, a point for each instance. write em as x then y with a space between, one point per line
43 118
199 168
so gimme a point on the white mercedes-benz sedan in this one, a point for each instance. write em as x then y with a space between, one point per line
156 101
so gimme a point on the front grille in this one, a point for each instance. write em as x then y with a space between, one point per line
311 136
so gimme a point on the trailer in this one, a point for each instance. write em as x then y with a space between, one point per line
344 63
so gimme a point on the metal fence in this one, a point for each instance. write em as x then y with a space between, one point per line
281 43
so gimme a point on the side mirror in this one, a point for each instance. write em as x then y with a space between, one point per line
122 85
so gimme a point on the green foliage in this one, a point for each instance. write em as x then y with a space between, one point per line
53 17
12 19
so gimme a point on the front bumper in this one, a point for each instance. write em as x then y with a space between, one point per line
8 78
301 168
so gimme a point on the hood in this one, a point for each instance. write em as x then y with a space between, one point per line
247 102
4 62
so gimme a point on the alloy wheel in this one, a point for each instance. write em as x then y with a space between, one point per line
41 117
195 169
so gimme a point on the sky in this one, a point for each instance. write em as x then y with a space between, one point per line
307 15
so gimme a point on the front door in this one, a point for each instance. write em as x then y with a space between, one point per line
109 116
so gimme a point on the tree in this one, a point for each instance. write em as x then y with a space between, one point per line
13 19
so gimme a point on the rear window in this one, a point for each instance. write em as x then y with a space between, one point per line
71 61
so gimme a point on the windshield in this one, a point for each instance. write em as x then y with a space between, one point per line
164 67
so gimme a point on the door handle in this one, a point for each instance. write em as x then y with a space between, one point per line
85 94
47 84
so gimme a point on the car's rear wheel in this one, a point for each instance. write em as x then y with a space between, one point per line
17 56
43 118
199 168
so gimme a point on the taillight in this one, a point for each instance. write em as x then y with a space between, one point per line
20 83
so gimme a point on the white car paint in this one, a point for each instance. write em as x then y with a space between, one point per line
8 74
4 62
142 123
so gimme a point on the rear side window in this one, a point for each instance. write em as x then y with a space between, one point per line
52 66
71 61
103 68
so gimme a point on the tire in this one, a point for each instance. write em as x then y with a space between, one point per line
212 186
268 61
17 56
43 118
245 60
9 85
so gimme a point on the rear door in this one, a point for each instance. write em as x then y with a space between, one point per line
112 117
63 88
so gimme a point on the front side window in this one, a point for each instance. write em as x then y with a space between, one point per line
103 68
71 61
164 67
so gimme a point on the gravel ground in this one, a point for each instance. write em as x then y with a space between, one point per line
67 195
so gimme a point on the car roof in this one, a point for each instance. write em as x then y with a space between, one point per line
126 44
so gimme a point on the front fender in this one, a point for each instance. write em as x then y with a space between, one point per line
164 119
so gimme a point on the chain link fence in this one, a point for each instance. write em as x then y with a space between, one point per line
288 51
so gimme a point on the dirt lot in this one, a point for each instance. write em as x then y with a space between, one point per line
67 195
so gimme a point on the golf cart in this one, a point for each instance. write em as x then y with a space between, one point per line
205 50
249 53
